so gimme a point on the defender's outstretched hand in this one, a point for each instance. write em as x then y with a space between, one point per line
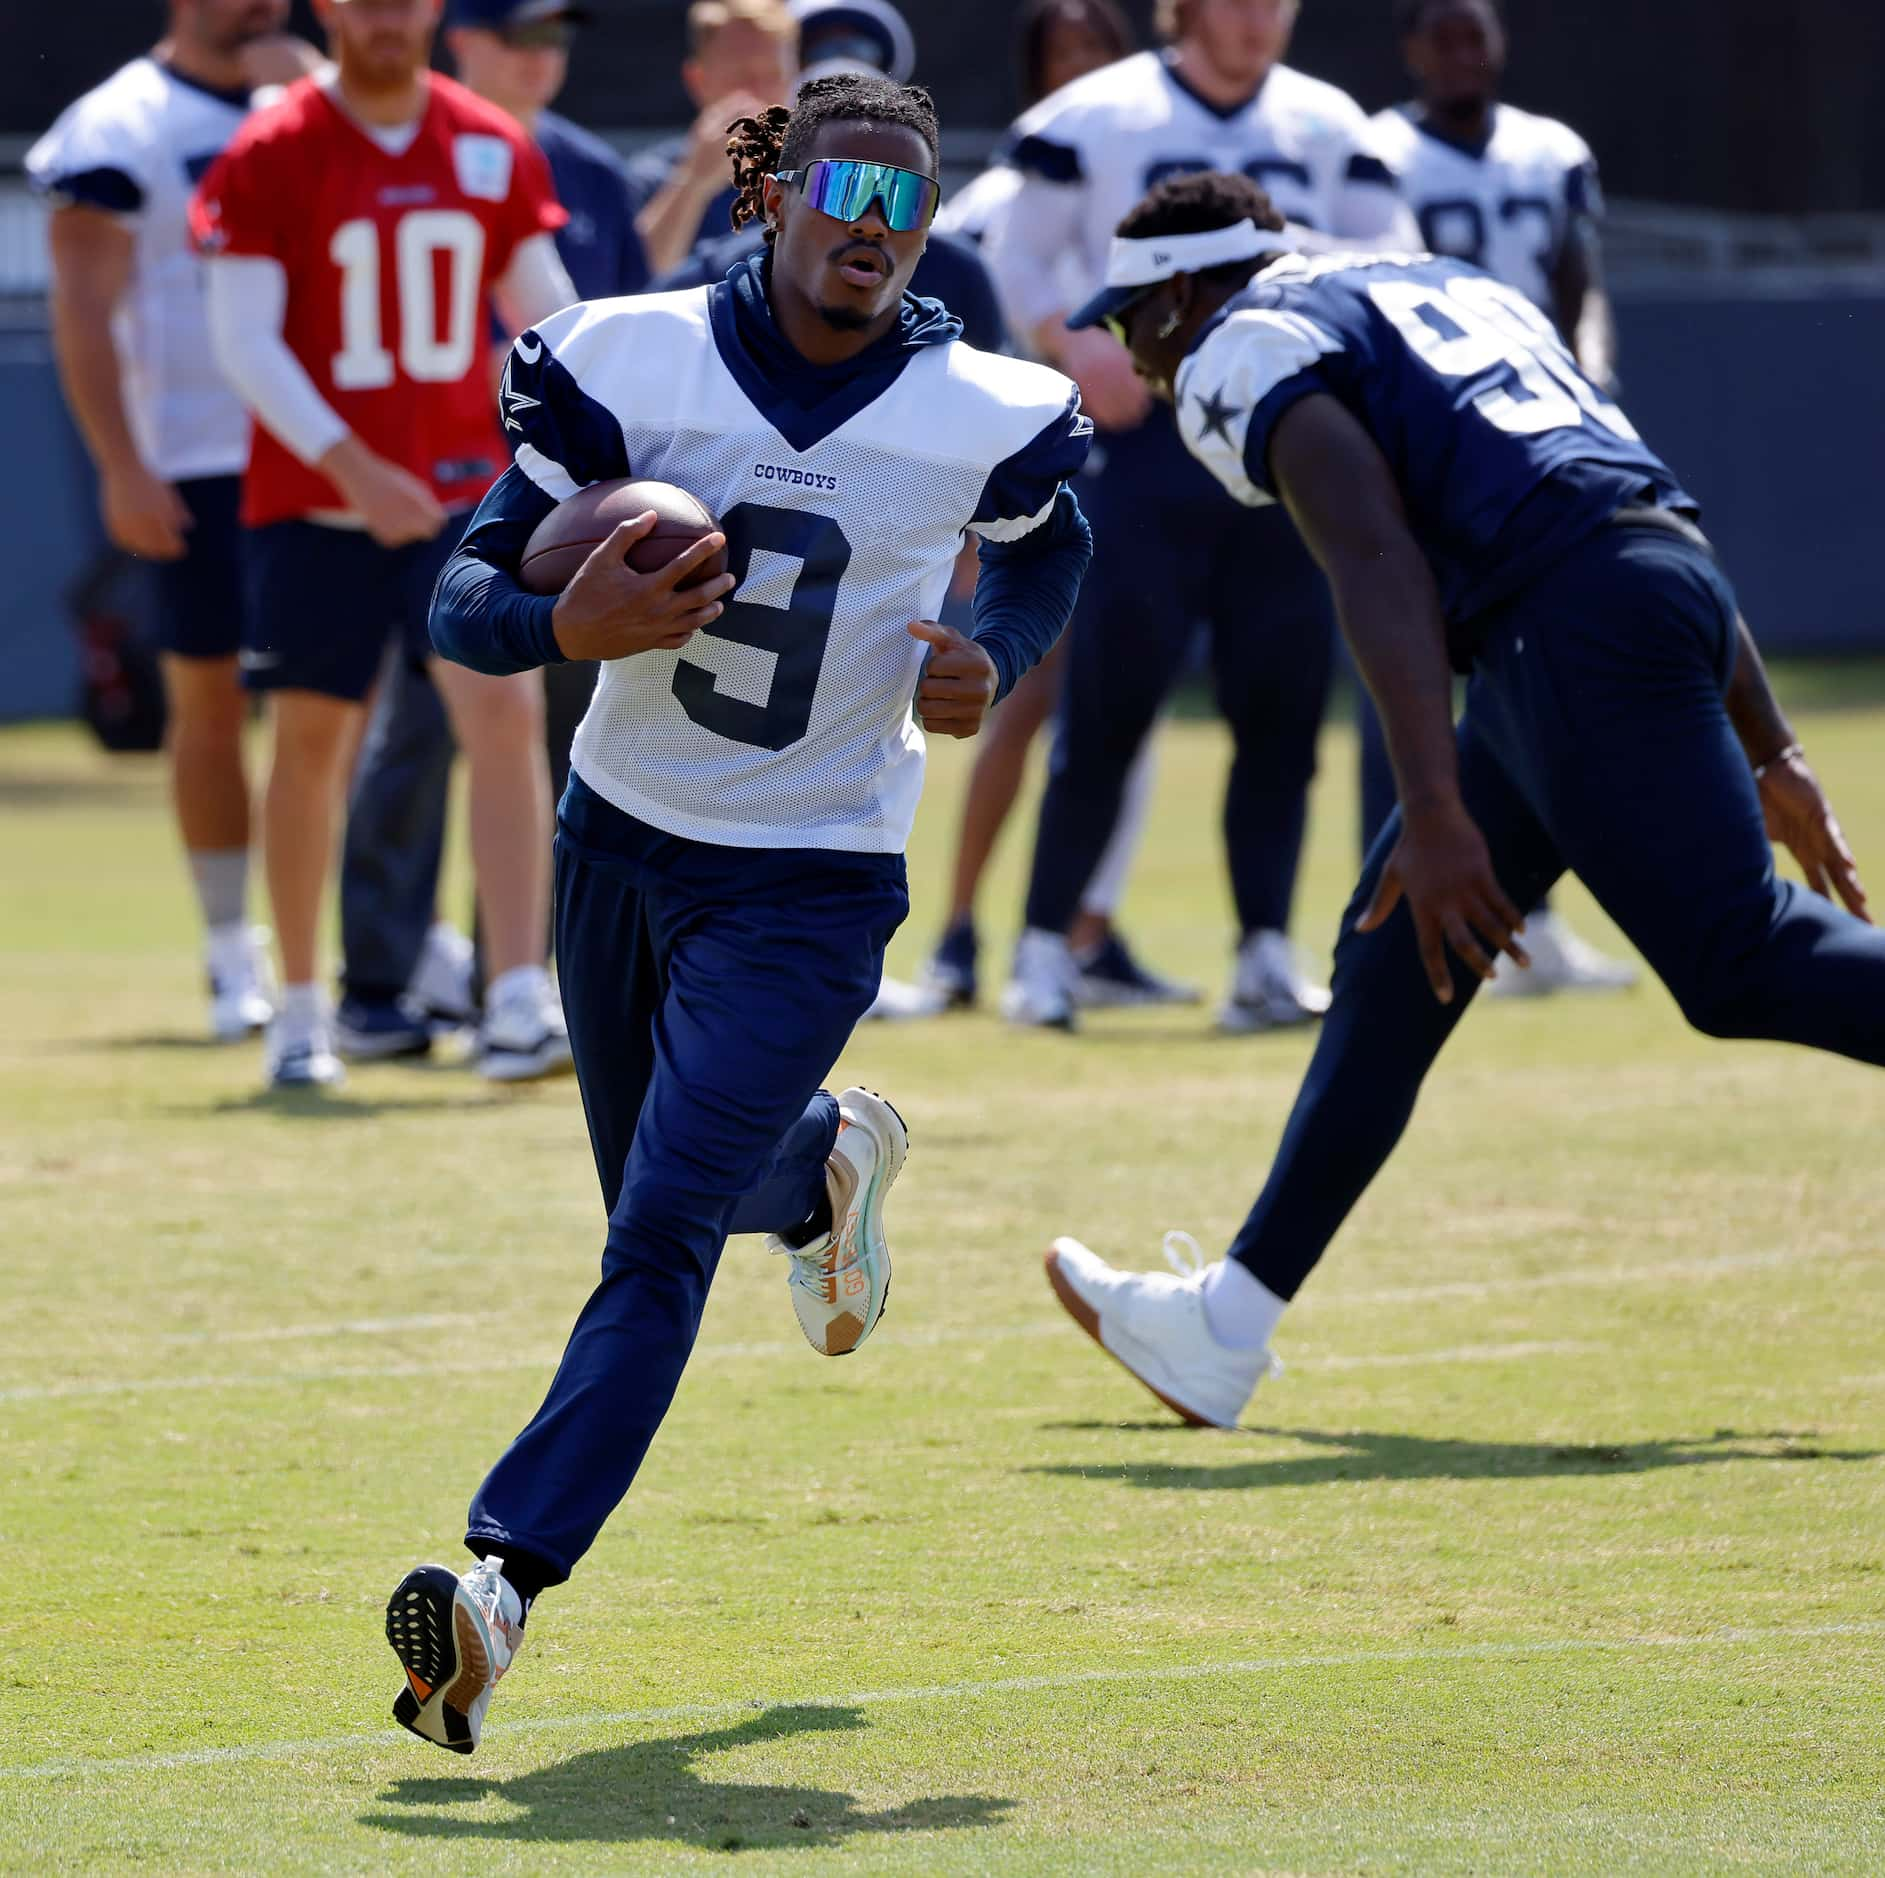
1800 818
1442 867
958 684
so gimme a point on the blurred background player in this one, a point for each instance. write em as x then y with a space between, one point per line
1058 41
1170 547
403 970
1517 195
167 435
742 57
358 228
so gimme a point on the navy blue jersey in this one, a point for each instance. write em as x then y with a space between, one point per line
598 244
1505 453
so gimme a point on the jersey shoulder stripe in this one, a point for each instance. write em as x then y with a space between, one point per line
1257 360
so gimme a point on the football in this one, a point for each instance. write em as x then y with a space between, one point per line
573 530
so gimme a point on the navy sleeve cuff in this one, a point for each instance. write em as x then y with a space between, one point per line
1026 592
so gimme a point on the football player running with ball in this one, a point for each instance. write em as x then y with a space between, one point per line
730 855
1478 502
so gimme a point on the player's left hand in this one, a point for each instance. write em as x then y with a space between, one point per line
1801 819
958 684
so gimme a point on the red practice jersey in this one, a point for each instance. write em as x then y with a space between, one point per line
390 263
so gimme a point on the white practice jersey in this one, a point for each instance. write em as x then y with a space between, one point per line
136 147
978 209
1508 208
1089 152
788 723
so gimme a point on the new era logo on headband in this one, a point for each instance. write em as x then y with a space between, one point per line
1146 260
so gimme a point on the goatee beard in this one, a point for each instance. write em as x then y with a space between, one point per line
846 319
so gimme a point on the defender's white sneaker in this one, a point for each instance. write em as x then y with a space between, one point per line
454 1637
236 960
1154 1323
1561 961
1269 990
1042 993
523 1035
840 1283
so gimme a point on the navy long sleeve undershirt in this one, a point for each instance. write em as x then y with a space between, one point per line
1025 592
483 619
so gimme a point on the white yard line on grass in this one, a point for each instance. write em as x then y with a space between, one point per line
1605 1278
545 1360
93 1769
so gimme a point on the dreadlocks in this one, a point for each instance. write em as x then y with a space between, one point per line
778 139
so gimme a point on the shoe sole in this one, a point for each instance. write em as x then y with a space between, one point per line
441 1647
517 1066
1088 1319
356 1046
1234 1023
844 1333
1111 997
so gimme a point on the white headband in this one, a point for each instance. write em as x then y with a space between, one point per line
1144 261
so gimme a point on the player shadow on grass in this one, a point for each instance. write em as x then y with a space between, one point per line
1364 1455
647 1790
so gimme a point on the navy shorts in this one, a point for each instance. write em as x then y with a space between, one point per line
324 603
199 598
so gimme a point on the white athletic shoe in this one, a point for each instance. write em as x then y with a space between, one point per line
523 1035
1044 989
898 1001
236 959
1154 1323
441 981
454 1637
301 1055
1561 961
840 1283
1268 990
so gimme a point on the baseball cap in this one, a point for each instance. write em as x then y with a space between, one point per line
495 15
853 36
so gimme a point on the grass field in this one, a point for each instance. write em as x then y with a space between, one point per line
1560 1547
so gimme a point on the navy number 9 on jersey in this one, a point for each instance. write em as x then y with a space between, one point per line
790 563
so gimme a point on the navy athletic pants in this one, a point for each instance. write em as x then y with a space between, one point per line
709 990
1171 549
1595 739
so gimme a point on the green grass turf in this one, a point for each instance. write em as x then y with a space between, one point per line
1560 1548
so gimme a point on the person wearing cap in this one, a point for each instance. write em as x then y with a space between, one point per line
514 54
841 37
1170 547
742 56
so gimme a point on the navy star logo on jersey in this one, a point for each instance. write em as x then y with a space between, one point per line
514 403
1218 416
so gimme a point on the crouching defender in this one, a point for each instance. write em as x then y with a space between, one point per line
1471 494
730 851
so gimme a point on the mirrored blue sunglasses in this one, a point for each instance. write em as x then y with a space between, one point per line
845 189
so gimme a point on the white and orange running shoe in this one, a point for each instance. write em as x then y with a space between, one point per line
454 1637
1154 1325
840 1283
